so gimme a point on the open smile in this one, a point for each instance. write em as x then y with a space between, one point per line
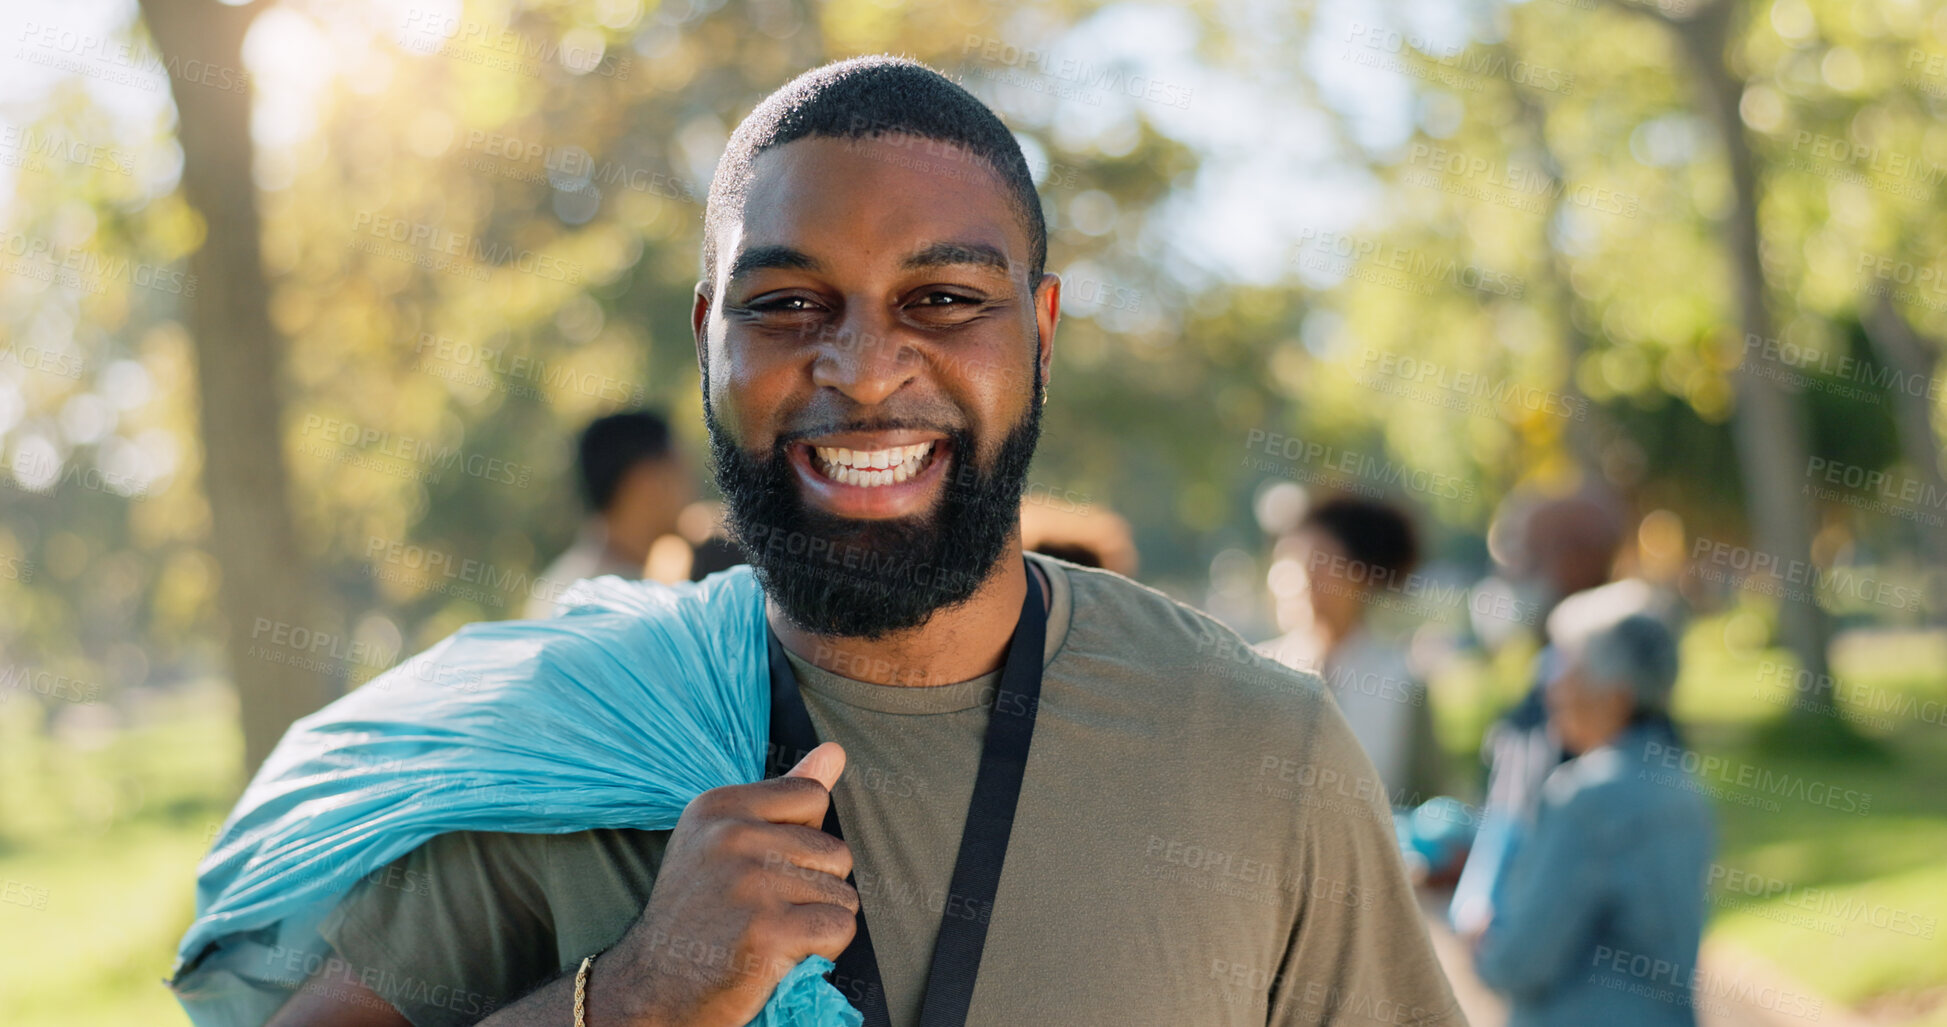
874 468
872 474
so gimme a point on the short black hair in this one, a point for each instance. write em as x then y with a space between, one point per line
611 445
869 97
1373 533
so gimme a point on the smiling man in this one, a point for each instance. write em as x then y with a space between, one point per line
1020 792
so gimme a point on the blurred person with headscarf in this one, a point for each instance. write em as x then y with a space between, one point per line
1603 908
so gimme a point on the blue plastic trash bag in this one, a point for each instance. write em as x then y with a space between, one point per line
614 714
1435 835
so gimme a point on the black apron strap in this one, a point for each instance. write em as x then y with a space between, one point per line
983 840
855 972
990 820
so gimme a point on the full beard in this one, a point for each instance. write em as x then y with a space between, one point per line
841 577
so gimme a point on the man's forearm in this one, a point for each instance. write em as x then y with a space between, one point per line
552 1004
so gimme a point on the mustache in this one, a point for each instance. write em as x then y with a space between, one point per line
837 427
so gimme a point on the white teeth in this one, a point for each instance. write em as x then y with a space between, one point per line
870 469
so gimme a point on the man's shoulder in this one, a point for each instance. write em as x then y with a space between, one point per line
626 627
1141 637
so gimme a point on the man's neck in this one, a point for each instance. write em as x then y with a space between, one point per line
954 645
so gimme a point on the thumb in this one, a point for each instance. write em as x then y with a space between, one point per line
822 764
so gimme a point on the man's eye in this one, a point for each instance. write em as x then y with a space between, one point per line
788 304
946 299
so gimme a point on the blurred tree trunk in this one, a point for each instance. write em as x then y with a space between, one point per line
1769 426
254 538
1585 436
1915 358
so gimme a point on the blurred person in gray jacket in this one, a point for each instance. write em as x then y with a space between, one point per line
1604 902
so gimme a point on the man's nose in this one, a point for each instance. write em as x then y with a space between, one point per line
865 359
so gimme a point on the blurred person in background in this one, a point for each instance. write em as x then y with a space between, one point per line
1336 562
1612 879
1550 550
1083 535
634 485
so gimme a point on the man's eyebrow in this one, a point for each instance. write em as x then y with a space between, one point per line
943 254
759 258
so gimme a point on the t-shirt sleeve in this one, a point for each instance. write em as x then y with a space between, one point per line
1359 951
451 931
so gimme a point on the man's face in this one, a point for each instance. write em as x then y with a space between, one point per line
872 355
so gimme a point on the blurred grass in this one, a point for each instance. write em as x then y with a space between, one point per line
108 821
1862 919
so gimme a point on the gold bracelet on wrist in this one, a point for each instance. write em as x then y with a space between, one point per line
581 991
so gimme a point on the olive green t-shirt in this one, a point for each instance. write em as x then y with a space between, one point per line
1199 840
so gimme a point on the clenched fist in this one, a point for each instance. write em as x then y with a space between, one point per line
749 886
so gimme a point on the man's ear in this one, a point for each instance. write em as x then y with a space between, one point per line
1047 312
699 321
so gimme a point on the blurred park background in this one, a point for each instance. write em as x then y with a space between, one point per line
303 303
